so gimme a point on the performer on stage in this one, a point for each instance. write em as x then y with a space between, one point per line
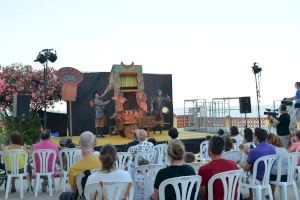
157 105
100 119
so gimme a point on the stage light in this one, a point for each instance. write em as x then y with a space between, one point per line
256 69
46 54
41 58
52 57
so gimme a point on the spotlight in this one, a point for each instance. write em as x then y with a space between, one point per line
41 58
256 69
52 57
46 54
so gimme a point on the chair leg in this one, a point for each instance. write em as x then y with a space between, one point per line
50 183
284 192
37 183
8 184
21 187
295 191
270 192
64 182
258 193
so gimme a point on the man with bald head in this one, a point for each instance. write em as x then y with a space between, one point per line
144 145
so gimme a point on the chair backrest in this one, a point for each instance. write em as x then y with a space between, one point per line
12 159
267 163
78 183
196 165
124 160
233 155
204 151
150 156
109 190
67 157
46 159
183 187
291 160
148 173
230 180
161 150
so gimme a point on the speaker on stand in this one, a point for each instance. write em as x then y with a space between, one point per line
21 105
245 107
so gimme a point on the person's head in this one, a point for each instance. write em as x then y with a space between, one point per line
274 140
108 157
248 135
141 135
173 133
228 143
46 134
159 92
96 95
283 108
216 146
297 138
297 85
176 150
153 141
143 161
221 132
260 135
207 138
87 140
16 138
234 131
189 157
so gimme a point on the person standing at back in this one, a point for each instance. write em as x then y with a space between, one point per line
217 165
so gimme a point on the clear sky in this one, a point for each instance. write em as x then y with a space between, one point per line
208 46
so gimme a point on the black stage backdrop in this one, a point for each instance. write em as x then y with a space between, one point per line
83 114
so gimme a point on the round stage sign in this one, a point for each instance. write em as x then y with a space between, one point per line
69 75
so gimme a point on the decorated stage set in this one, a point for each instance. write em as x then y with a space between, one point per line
130 101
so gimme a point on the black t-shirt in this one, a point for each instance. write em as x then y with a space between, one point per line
284 124
172 172
130 144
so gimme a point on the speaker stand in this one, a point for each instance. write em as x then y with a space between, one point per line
246 119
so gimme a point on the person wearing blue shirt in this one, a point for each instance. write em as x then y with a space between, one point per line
297 96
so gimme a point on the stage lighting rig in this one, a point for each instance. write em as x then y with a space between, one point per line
256 69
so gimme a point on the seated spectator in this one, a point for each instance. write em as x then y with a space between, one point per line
173 133
296 143
88 161
134 141
228 144
143 146
153 141
176 169
235 135
280 151
45 143
217 165
247 144
263 148
189 157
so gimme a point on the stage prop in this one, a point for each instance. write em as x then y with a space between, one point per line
71 78
131 91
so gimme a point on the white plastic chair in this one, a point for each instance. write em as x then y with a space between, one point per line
161 150
111 191
144 188
230 182
292 160
16 170
182 185
67 157
259 186
233 155
44 155
124 160
204 151
196 165
150 156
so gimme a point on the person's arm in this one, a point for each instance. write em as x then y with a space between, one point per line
202 192
246 166
275 120
156 194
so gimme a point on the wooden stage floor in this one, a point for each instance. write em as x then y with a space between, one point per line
118 140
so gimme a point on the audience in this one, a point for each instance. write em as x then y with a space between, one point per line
175 152
280 151
296 144
153 141
247 144
134 141
45 143
88 160
228 144
189 157
235 135
143 146
108 171
173 133
217 165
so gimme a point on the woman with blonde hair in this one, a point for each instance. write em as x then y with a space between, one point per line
177 168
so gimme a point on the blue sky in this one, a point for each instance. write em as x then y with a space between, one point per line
208 46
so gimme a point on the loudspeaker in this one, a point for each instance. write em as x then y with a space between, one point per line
21 105
245 105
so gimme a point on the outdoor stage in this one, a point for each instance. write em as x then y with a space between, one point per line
191 140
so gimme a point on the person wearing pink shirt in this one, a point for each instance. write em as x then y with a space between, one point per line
45 143
295 147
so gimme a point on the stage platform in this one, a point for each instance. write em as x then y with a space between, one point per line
191 140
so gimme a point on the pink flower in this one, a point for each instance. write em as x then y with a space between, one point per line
8 98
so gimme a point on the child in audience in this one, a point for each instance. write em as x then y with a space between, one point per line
247 144
228 144
189 157
235 135
296 144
